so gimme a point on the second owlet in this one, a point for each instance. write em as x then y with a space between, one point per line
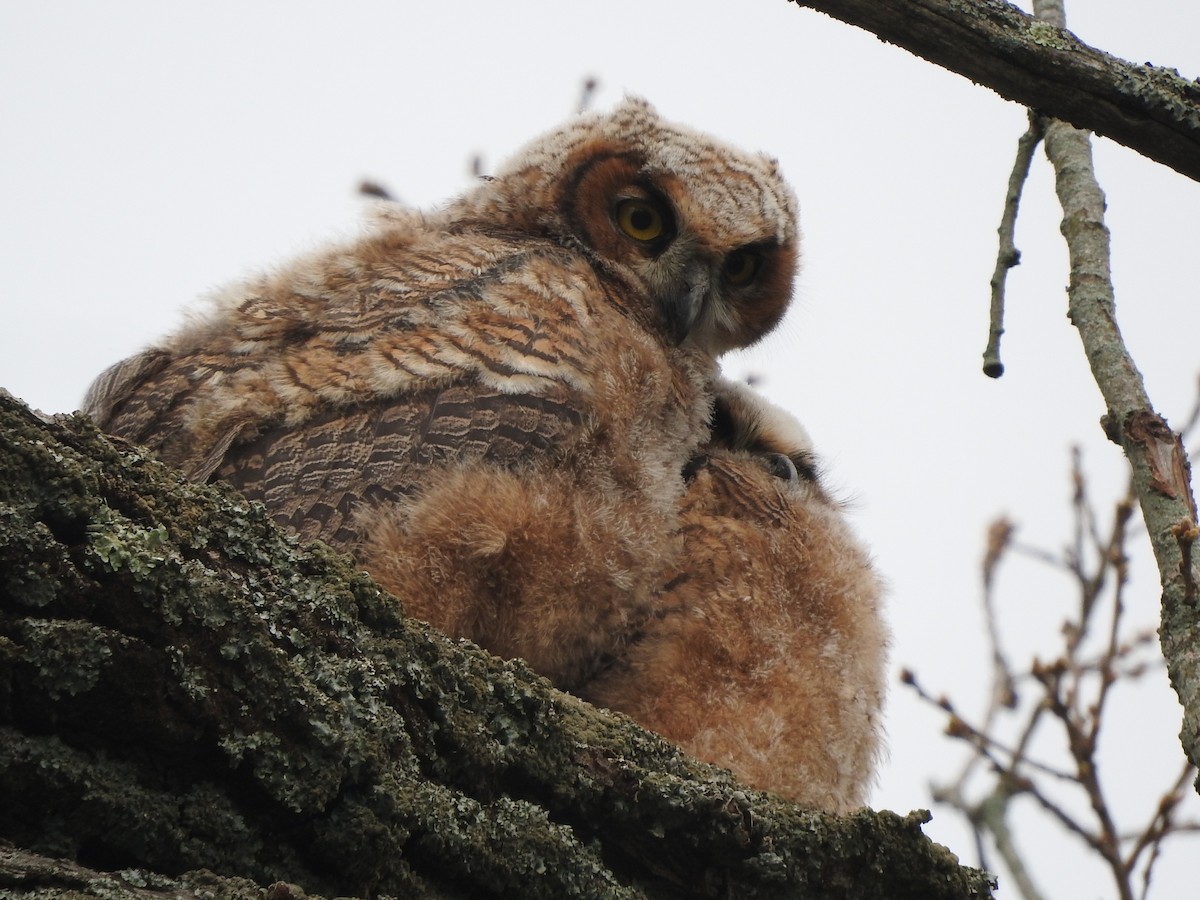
767 653
497 399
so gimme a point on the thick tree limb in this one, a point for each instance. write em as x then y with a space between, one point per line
1148 109
183 687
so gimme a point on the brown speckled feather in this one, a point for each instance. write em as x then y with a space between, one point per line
491 405
346 459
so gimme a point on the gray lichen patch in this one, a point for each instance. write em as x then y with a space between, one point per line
183 687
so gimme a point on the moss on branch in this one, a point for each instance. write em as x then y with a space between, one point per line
185 690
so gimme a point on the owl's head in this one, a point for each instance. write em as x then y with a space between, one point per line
706 233
744 421
757 462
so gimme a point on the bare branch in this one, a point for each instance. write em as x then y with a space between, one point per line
1148 109
992 815
1003 691
1160 469
1073 690
1159 827
184 686
1009 256
587 92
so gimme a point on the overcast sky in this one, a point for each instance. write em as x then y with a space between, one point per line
155 151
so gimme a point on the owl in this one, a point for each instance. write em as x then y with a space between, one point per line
492 405
768 649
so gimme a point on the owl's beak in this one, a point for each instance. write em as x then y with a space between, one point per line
683 309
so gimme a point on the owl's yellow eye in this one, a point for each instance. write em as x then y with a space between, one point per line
642 220
741 266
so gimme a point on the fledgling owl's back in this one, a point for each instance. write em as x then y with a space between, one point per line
549 337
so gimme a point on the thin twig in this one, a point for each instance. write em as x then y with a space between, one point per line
992 815
1003 691
985 745
1159 827
369 188
1074 690
587 92
1056 810
1009 255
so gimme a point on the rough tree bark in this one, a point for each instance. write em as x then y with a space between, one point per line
1148 109
185 690
1159 463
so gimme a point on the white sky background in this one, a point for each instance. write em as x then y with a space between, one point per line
152 152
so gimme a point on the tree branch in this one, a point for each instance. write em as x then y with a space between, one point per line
1148 109
1162 476
1009 255
1154 111
183 687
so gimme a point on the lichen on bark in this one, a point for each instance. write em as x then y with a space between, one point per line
186 689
